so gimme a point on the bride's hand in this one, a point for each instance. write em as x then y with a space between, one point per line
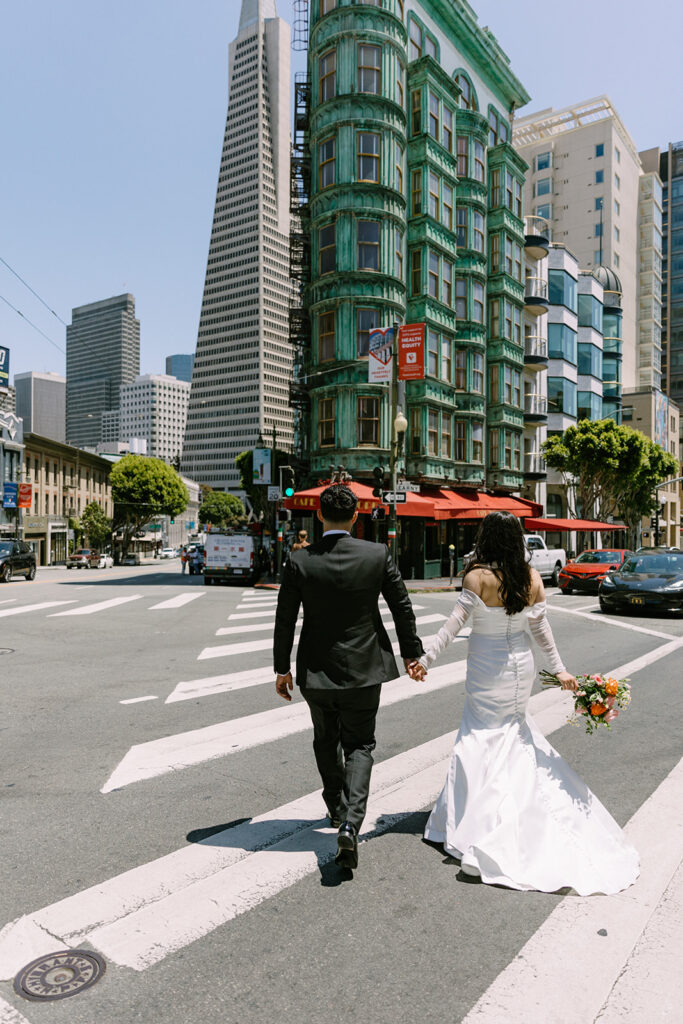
415 670
567 681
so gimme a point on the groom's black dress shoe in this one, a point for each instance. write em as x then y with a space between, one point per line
347 847
334 820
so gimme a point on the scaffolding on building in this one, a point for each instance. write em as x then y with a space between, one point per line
300 265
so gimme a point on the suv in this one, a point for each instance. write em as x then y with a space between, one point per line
82 558
16 559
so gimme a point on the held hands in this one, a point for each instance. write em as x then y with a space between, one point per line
281 685
567 680
415 669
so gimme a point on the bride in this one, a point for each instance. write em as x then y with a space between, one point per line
512 810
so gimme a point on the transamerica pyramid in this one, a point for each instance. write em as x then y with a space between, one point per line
243 361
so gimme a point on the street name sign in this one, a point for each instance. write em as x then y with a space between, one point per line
407 485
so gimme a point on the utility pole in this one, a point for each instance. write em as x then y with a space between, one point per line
276 534
393 448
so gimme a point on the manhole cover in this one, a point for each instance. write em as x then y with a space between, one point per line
59 975
6 650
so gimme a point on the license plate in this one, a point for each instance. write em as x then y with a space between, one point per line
237 572
637 600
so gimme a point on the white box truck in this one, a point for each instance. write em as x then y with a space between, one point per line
231 556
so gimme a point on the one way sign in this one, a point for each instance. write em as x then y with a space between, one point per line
394 497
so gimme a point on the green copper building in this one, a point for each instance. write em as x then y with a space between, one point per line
415 205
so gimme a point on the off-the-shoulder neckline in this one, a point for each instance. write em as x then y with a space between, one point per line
501 607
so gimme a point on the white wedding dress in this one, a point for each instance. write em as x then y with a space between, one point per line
512 809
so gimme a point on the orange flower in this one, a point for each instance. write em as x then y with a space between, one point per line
612 688
598 709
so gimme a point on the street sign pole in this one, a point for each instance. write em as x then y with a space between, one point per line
393 450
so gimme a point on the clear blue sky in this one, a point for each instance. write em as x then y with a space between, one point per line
112 122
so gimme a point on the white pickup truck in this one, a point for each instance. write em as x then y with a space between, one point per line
547 561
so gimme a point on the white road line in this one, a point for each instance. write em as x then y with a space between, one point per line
386 617
183 750
101 606
583 607
8 1015
137 700
264 614
139 917
607 620
177 602
33 607
9 600
534 987
195 688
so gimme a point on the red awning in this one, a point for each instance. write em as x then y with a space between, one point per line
477 505
570 524
309 500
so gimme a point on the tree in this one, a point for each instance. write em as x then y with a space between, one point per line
96 525
142 488
221 510
608 469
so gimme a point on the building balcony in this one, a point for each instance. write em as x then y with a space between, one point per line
535 295
535 352
535 408
536 237
534 466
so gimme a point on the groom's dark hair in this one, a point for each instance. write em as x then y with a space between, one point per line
338 503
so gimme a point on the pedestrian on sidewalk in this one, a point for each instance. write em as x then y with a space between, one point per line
183 560
344 653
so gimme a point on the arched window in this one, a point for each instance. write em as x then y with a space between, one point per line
468 97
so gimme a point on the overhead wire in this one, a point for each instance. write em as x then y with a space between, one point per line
33 292
30 322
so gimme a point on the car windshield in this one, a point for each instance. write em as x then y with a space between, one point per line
5 548
595 557
663 563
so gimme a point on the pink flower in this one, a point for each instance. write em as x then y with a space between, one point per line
610 702
610 716
580 710
598 680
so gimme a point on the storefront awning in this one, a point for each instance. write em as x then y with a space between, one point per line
569 524
309 500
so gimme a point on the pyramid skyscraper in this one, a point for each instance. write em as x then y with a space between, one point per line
243 361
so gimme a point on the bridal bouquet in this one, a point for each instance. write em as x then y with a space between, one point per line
598 698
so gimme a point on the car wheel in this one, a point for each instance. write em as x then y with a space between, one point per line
31 574
567 590
6 573
554 579
604 607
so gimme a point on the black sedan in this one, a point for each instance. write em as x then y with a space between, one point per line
16 559
645 581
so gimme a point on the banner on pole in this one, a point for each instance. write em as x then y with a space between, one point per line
261 466
9 495
4 367
380 361
411 352
25 495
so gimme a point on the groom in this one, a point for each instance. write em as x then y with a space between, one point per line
344 653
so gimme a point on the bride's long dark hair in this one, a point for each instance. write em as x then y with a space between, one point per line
500 546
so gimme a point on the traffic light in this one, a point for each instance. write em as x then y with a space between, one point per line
378 514
378 474
287 484
172 520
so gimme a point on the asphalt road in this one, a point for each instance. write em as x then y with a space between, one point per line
93 787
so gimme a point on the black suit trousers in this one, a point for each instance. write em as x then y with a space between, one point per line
343 742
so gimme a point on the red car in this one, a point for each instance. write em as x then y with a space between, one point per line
587 572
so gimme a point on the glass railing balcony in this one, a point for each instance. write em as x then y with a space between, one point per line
534 465
536 352
536 237
536 295
612 346
535 406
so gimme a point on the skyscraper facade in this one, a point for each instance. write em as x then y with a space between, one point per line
154 407
41 403
243 360
102 354
180 366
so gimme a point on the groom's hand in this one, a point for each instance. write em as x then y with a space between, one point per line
281 685
414 669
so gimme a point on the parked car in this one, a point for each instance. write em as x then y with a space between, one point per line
587 572
547 561
101 561
646 580
16 559
167 553
81 558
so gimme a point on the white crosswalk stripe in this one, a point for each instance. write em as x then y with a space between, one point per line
136 919
270 612
33 607
9 600
100 606
177 602
386 617
172 753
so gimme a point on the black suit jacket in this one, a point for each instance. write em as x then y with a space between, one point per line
343 642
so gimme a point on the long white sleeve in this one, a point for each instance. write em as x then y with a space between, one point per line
543 635
450 628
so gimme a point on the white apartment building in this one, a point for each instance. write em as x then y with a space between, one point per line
243 361
584 178
154 408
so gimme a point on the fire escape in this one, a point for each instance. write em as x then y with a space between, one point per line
300 269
